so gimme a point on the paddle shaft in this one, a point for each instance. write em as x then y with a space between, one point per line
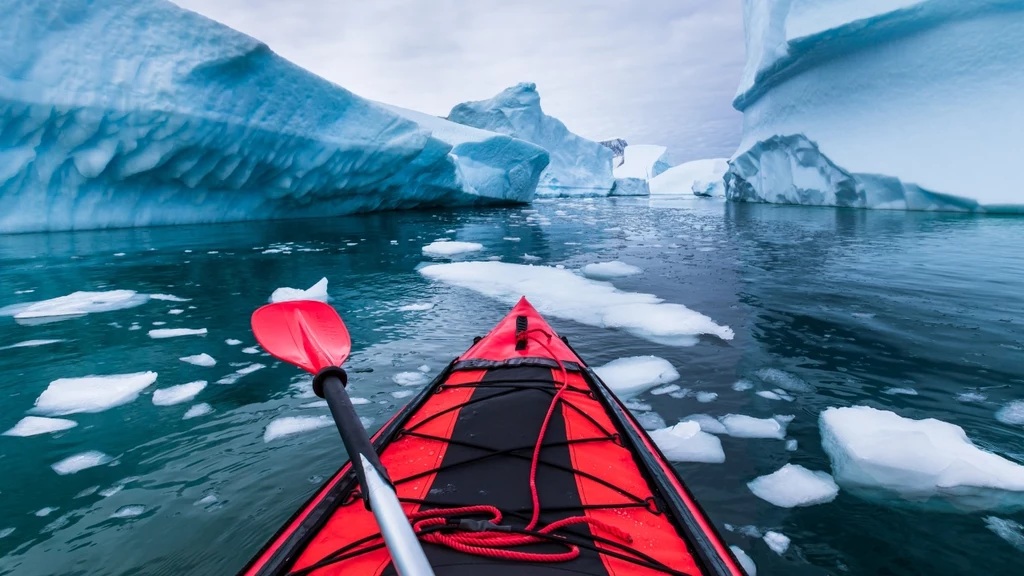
377 489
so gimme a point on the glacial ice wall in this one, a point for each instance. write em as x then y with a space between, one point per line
119 113
901 104
579 167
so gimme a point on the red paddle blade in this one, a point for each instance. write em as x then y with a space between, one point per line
304 333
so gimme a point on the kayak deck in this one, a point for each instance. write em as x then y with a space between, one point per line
519 433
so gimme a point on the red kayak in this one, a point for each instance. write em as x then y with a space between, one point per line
516 459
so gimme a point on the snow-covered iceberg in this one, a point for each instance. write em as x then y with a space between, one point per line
137 112
579 167
900 104
639 164
699 177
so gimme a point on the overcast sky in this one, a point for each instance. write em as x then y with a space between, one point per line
650 71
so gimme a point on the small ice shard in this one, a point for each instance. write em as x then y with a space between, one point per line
79 462
317 404
204 360
44 512
232 342
175 311
316 292
971 397
366 421
777 541
419 307
168 298
178 394
129 511
665 390
160 333
443 248
651 420
742 426
900 392
706 397
357 401
630 376
610 270
251 350
686 442
791 445
73 305
289 425
1012 532
34 425
238 374
748 565
206 500
399 394
680 394
878 452
707 423
634 405
6 532
410 379
511 239
742 385
424 368
793 485
769 395
1012 413
530 258
91 393
784 380
197 410
30 344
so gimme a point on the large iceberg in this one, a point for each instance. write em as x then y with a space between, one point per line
901 104
579 167
137 112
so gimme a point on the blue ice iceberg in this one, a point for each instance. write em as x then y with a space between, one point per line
121 113
901 104
579 167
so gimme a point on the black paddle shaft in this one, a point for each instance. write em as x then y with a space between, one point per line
329 384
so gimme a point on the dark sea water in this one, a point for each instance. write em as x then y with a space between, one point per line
853 302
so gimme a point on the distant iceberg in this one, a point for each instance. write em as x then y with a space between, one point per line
698 177
118 113
579 167
898 104
639 164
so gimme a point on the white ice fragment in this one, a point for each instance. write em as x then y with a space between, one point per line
419 307
175 332
424 368
168 298
442 248
6 532
317 292
1012 413
29 344
785 380
742 385
881 453
289 425
748 565
366 421
399 394
634 405
410 379
707 423
357 401
769 395
706 397
175 311
238 374
35 425
971 397
204 360
651 420
791 445
197 410
130 511
79 462
630 376
777 541
686 442
530 258
232 342
665 390
610 270
511 239
316 404
43 512
793 485
742 426
1012 532
178 394
73 305
900 392
251 350
91 393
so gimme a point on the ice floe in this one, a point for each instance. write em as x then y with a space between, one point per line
879 453
44 512
178 394
197 410
73 305
91 393
289 425
709 424
1012 413
650 420
81 461
35 425
418 307
238 374
706 397
441 248
661 391
130 511
686 442
399 394
562 294
410 378
29 344
204 360
169 298
900 392
777 541
742 385
610 270
793 485
317 292
630 376
785 380
251 350
748 565
160 333
742 426
232 342
1012 532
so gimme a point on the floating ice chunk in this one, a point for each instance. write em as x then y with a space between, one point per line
34 425
1012 413
562 294
366 421
204 360
742 385
168 298
232 342
665 390
357 401
880 453
420 307
238 374
29 344
686 442
289 425
530 258
791 445
748 565
6 532
317 292
634 405
73 305
175 311
130 511
424 368
251 350
651 421
680 394
741 426
410 379
178 394
707 423
628 377
79 462
610 270
769 395
175 332
900 392
1012 532
793 485
197 410
784 380
706 397
777 541
399 394
317 404
43 512
91 393
971 397
441 248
